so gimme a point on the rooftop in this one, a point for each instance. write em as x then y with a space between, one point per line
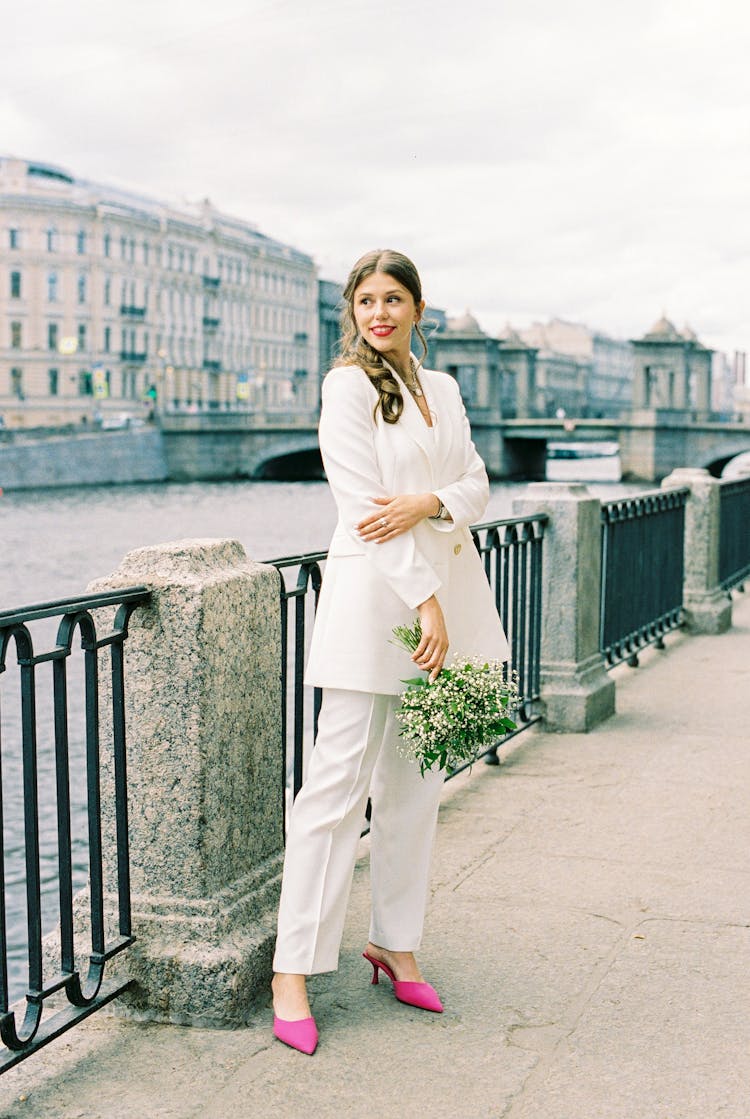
40 182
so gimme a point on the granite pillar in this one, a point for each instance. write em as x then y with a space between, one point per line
708 608
203 724
576 690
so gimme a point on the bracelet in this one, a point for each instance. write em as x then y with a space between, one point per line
442 513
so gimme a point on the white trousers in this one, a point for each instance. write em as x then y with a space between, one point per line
356 753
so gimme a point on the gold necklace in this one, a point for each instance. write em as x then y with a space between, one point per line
413 385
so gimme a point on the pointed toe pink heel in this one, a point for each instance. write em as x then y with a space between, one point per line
302 1035
421 995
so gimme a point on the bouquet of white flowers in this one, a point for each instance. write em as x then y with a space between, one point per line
458 717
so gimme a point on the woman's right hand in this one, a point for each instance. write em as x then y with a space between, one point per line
430 654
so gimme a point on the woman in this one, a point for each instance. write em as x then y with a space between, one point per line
407 482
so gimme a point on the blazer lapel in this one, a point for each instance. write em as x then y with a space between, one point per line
412 419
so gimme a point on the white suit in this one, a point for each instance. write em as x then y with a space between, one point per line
367 589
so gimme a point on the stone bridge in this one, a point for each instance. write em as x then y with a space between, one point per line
247 445
221 445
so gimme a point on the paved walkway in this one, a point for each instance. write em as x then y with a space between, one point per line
589 933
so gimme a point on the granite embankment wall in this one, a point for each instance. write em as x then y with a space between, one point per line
91 459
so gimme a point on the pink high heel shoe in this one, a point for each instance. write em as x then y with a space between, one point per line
302 1035
414 994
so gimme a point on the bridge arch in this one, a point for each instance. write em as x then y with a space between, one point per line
292 466
717 459
291 457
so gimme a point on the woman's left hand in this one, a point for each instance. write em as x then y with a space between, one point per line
396 515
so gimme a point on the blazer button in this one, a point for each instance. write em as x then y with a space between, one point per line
457 550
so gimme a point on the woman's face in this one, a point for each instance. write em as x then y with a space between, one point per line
385 312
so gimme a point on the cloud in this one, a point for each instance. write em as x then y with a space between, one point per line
535 158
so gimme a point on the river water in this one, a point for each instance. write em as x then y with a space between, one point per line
54 542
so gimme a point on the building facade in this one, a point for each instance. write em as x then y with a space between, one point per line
673 373
462 349
581 371
330 297
112 301
548 369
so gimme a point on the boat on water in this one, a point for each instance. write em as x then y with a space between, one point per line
583 461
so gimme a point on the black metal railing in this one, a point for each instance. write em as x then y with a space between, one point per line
299 708
643 540
511 552
734 533
46 807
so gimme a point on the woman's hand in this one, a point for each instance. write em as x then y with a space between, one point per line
431 651
396 515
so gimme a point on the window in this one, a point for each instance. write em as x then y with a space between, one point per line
82 289
15 285
107 291
85 382
14 238
53 331
53 381
107 339
145 252
82 336
123 247
107 244
81 242
15 336
51 239
16 383
466 375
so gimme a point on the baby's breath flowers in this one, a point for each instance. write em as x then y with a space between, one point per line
458 717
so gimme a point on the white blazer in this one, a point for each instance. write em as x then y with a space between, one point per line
370 588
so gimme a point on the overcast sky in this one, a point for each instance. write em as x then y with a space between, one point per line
582 158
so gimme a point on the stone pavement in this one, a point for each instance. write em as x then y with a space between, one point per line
589 933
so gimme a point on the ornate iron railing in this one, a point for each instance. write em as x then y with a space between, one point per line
642 572
84 994
511 552
734 532
300 706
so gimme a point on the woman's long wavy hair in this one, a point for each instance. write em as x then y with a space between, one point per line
355 350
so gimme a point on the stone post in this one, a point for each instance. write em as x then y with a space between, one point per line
576 691
203 725
708 608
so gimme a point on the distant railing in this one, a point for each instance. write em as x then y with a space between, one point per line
511 552
85 995
642 572
734 532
